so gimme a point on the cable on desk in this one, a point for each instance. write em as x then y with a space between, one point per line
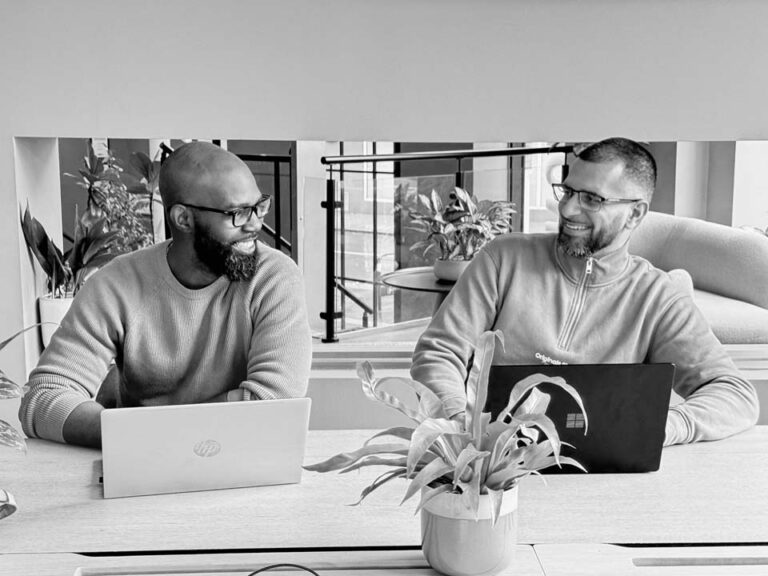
272 566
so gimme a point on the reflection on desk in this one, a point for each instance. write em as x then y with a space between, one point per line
709 493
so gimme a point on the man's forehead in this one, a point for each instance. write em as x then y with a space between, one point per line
605 178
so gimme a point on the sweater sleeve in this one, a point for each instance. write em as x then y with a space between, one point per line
718 400
280 352
74 364
444 351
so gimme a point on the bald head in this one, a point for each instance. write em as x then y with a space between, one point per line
192 172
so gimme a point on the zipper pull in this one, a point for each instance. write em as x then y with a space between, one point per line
588 271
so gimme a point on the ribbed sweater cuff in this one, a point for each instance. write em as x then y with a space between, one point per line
52 425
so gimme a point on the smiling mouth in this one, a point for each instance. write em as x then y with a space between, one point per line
574 227
247 246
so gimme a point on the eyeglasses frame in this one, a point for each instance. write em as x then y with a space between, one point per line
568 191
265 198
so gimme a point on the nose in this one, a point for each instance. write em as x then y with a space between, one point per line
254 224
569 206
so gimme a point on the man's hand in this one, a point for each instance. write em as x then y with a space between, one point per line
83 426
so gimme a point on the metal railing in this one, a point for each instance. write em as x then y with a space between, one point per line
331 204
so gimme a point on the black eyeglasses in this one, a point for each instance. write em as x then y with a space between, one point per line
588 200
240 216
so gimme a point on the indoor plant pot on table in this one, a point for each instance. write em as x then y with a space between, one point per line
466 470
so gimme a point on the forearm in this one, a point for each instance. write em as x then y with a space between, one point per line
443 353
719 409
83 426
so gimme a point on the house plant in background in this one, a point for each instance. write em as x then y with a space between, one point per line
456 231
118 218
466 473
111 197
9 436
92 247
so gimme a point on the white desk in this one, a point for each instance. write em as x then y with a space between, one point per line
706 493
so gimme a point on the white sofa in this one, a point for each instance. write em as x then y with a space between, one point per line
728 267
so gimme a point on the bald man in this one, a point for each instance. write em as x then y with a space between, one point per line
211 315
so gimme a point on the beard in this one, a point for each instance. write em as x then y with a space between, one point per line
585 247
221 258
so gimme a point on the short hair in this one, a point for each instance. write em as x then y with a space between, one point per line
639 164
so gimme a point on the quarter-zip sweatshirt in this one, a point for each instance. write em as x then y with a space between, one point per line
613 308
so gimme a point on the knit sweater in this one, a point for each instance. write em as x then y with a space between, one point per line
171 344
615 308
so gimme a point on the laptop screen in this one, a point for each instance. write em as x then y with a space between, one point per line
626 406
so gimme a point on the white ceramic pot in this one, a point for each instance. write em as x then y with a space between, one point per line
52 310
449 270
456 544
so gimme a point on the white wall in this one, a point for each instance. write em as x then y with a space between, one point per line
453 70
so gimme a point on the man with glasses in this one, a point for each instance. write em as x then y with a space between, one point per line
212 315
579 297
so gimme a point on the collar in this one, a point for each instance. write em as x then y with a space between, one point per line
607 267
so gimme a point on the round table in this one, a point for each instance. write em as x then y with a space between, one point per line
420 279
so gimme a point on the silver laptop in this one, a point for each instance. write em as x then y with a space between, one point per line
165 449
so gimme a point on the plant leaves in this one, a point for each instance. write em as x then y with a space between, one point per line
345 459
430 493
376 461
398 432
425 435
477 382
11 438
496 497
380 481
429 473
8 388
466 458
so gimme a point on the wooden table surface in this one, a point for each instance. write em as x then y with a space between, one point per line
706 493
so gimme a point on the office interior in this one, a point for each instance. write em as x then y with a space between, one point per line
453 73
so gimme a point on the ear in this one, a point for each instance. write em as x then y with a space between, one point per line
181 218
639 210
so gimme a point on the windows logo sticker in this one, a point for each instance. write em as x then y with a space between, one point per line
574 420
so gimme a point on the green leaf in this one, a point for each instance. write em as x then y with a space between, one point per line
402 432
376 461
380 481
11 438
345 459
430 493
428 474
8 388
477 382
141 164
466 459
425 435
10 339
496 497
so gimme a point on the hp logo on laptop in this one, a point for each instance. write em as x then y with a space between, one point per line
207 448
574 420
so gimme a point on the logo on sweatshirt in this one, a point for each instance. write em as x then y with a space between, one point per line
544 359
207 448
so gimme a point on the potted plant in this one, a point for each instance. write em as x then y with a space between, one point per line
9 436
466 473
110 197
93 246
458 229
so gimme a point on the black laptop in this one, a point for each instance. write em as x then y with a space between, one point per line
626 406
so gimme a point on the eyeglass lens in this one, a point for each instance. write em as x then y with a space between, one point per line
587 200
244 215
